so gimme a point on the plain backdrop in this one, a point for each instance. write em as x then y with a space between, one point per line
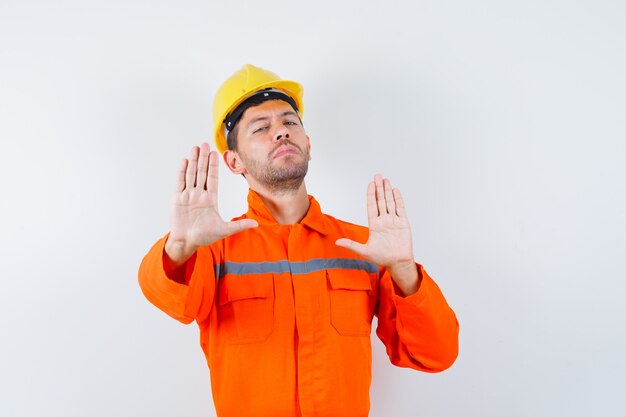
502 122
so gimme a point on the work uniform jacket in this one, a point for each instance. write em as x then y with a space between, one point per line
285 316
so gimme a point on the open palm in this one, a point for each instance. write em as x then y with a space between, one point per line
195 219
389 241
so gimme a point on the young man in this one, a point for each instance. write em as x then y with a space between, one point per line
284 295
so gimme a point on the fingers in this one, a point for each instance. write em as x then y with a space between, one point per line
192 167
391 205
180 179
397 196
193 172
380 195
382 198
239 226
213 172
203 165
372 206
356 247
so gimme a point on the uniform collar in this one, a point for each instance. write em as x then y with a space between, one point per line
313 219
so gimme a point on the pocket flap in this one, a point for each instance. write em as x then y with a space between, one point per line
241 287
349 280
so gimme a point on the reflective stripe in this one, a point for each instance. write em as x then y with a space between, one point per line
280 267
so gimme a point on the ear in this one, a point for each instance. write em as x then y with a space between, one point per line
233 162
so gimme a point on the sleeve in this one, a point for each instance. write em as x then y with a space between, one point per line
184 302
419 331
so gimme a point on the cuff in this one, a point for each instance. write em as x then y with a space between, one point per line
417 297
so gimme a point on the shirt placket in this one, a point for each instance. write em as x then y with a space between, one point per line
305 303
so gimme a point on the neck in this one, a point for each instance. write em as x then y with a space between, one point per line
287 206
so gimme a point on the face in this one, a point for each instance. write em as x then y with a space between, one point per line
272 147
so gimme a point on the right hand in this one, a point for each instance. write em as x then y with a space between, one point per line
195 219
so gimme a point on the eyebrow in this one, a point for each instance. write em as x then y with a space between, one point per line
260 118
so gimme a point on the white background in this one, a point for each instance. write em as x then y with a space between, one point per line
503 123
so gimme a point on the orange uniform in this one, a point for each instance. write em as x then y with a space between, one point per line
285 316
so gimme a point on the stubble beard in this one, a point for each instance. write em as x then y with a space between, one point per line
283 179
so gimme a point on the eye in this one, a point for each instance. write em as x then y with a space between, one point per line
289 122
259 129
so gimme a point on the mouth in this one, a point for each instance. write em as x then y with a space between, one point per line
286 150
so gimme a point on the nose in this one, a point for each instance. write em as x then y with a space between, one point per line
281 133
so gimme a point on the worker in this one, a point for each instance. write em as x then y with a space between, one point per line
284 295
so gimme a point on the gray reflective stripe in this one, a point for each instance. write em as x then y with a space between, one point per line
279 267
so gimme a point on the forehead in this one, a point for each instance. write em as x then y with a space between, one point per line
266 109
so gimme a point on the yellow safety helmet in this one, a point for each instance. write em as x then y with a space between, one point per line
243 84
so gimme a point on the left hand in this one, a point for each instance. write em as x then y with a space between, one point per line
389 243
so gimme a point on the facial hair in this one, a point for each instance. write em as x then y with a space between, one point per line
283 179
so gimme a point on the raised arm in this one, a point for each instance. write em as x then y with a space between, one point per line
415 322
174 275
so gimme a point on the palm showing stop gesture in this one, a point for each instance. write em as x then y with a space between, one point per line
389 243
195 219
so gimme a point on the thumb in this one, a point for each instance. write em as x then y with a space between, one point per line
239 226
356 247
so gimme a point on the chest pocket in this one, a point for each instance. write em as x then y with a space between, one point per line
246 308
351 301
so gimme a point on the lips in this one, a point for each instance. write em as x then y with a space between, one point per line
286 150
